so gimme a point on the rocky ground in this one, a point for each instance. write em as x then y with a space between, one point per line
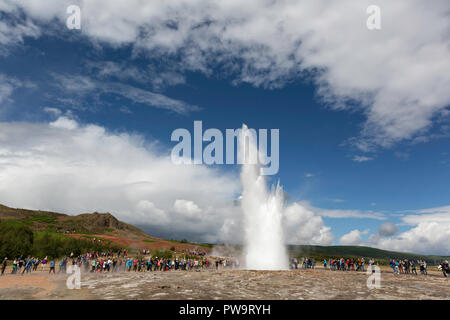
227 284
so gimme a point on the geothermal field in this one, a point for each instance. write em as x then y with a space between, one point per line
315 284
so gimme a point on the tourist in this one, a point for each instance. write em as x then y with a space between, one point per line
413 267
44 263
52 267
445 268
396 267
36 264
14 267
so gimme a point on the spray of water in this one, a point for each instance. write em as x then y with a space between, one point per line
264 242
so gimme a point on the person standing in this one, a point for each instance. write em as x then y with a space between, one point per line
52 267
14 267
44 263
36 264
445 268
396 268
413 267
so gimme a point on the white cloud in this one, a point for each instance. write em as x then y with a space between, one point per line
54 111
351 239
188 208
361 158
7 87
64 123
397 74
303 226
426 237
440 214
146 210
428 234
14 28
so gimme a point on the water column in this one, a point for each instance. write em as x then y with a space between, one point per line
264 241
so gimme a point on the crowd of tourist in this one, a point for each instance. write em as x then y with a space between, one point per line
399 266
331 264
406 266
119 261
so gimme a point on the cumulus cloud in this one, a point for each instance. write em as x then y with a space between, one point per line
187 207
388 229
426 237
353 238
428 233
396 76
303 226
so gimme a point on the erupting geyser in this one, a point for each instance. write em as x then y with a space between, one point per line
264 242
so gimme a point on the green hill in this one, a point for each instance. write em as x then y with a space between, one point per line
383 256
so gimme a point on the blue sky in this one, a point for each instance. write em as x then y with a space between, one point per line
326 124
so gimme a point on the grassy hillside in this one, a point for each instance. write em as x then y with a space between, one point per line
101 228
94 223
